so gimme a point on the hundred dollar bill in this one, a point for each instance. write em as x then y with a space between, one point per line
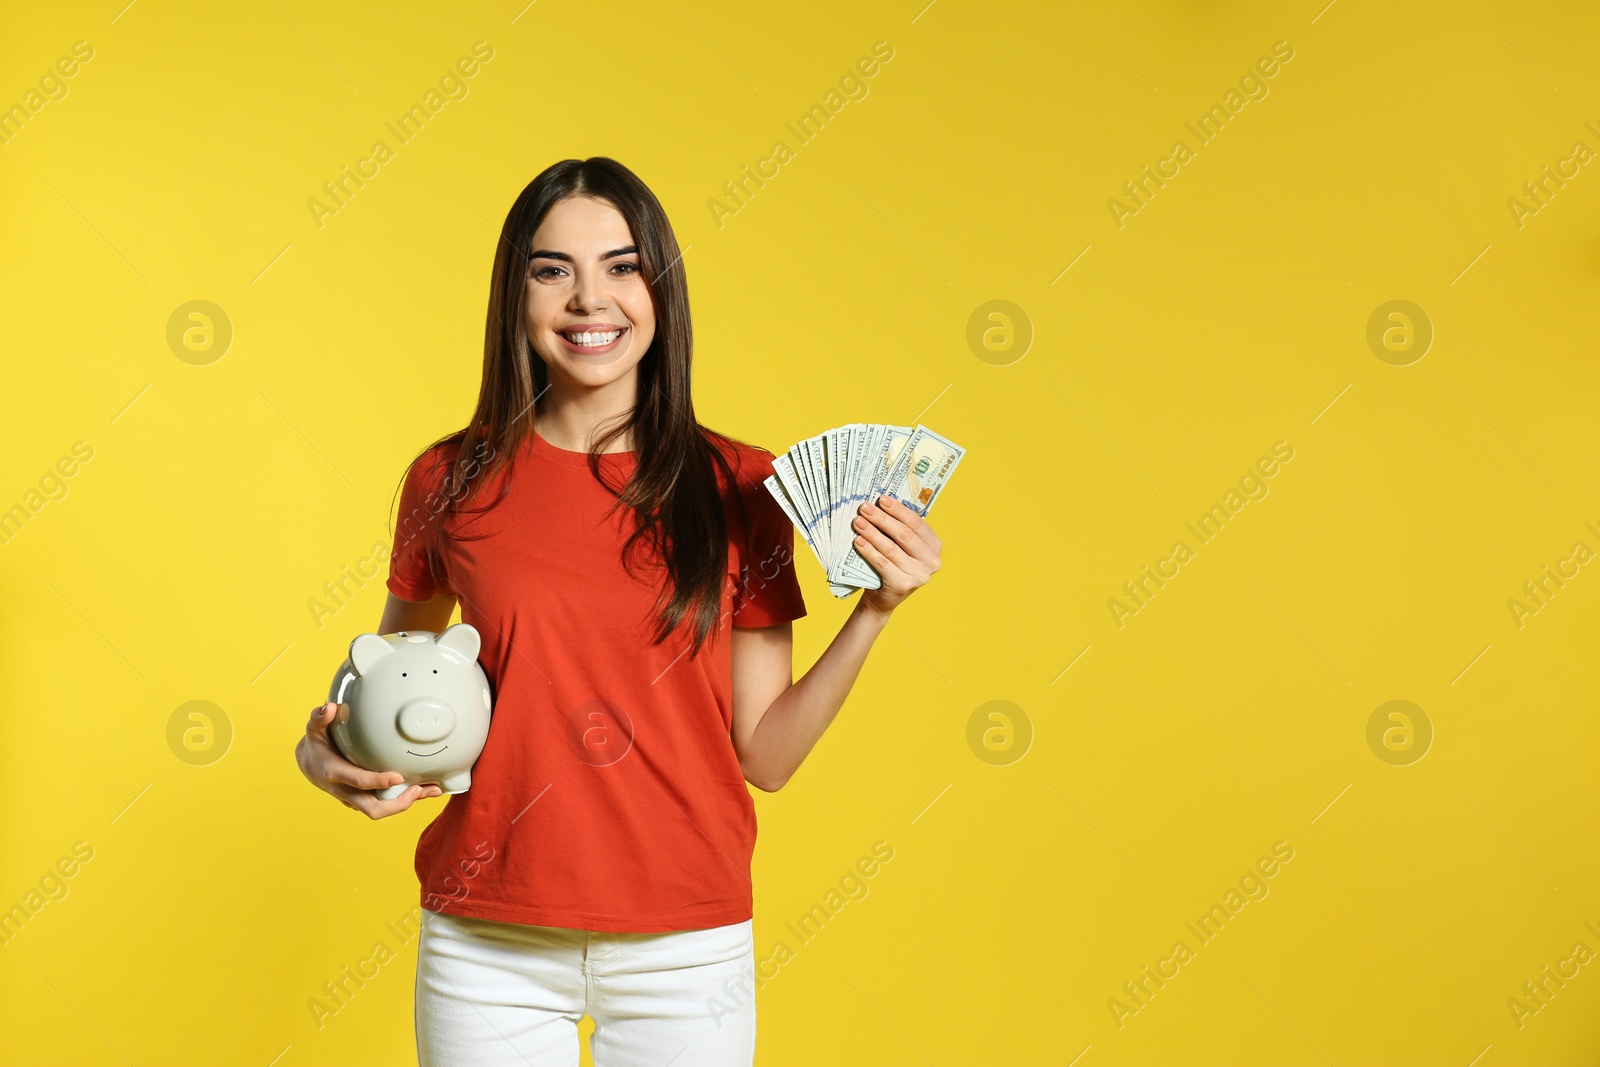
923 468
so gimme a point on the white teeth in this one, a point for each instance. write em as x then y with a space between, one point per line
594 338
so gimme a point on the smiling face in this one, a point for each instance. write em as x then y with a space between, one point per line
588 313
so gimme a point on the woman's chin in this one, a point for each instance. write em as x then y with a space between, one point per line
594 373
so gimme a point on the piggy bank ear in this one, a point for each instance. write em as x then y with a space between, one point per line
463 638
366 651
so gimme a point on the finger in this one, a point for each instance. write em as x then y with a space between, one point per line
409 797
913 520
357 799
875 547
896 522
336 768
321 716
373 808
400 803
900 535
322 719
887 522
340 771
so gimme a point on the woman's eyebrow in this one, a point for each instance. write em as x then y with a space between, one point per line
547 253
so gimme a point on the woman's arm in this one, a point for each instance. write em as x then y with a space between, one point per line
433 615
776 721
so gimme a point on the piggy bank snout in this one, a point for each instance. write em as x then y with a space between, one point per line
426 721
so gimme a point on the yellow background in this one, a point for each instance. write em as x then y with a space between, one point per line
1228 314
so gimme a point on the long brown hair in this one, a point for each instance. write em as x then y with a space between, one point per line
673 492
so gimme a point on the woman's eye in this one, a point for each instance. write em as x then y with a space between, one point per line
550 272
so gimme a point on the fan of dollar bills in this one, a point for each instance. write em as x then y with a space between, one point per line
821 481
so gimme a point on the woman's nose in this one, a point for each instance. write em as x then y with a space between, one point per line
590 294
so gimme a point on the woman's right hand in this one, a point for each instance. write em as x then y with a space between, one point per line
325 768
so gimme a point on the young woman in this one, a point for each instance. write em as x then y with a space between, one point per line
633 584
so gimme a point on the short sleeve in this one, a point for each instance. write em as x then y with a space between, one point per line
414 570
768 589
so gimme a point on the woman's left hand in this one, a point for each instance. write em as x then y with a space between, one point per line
901 547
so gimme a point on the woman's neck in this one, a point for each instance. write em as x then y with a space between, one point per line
571 418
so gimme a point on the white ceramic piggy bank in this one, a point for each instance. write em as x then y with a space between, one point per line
414 702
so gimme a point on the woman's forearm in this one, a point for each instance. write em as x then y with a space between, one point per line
799 716
902 548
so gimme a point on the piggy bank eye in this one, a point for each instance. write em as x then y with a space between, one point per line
402 674
436 670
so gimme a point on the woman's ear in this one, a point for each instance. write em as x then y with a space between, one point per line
463 638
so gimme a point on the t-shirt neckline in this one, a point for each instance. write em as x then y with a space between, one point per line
542 449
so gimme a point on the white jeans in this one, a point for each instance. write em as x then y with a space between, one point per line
497 993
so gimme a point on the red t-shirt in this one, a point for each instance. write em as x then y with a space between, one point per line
608 795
